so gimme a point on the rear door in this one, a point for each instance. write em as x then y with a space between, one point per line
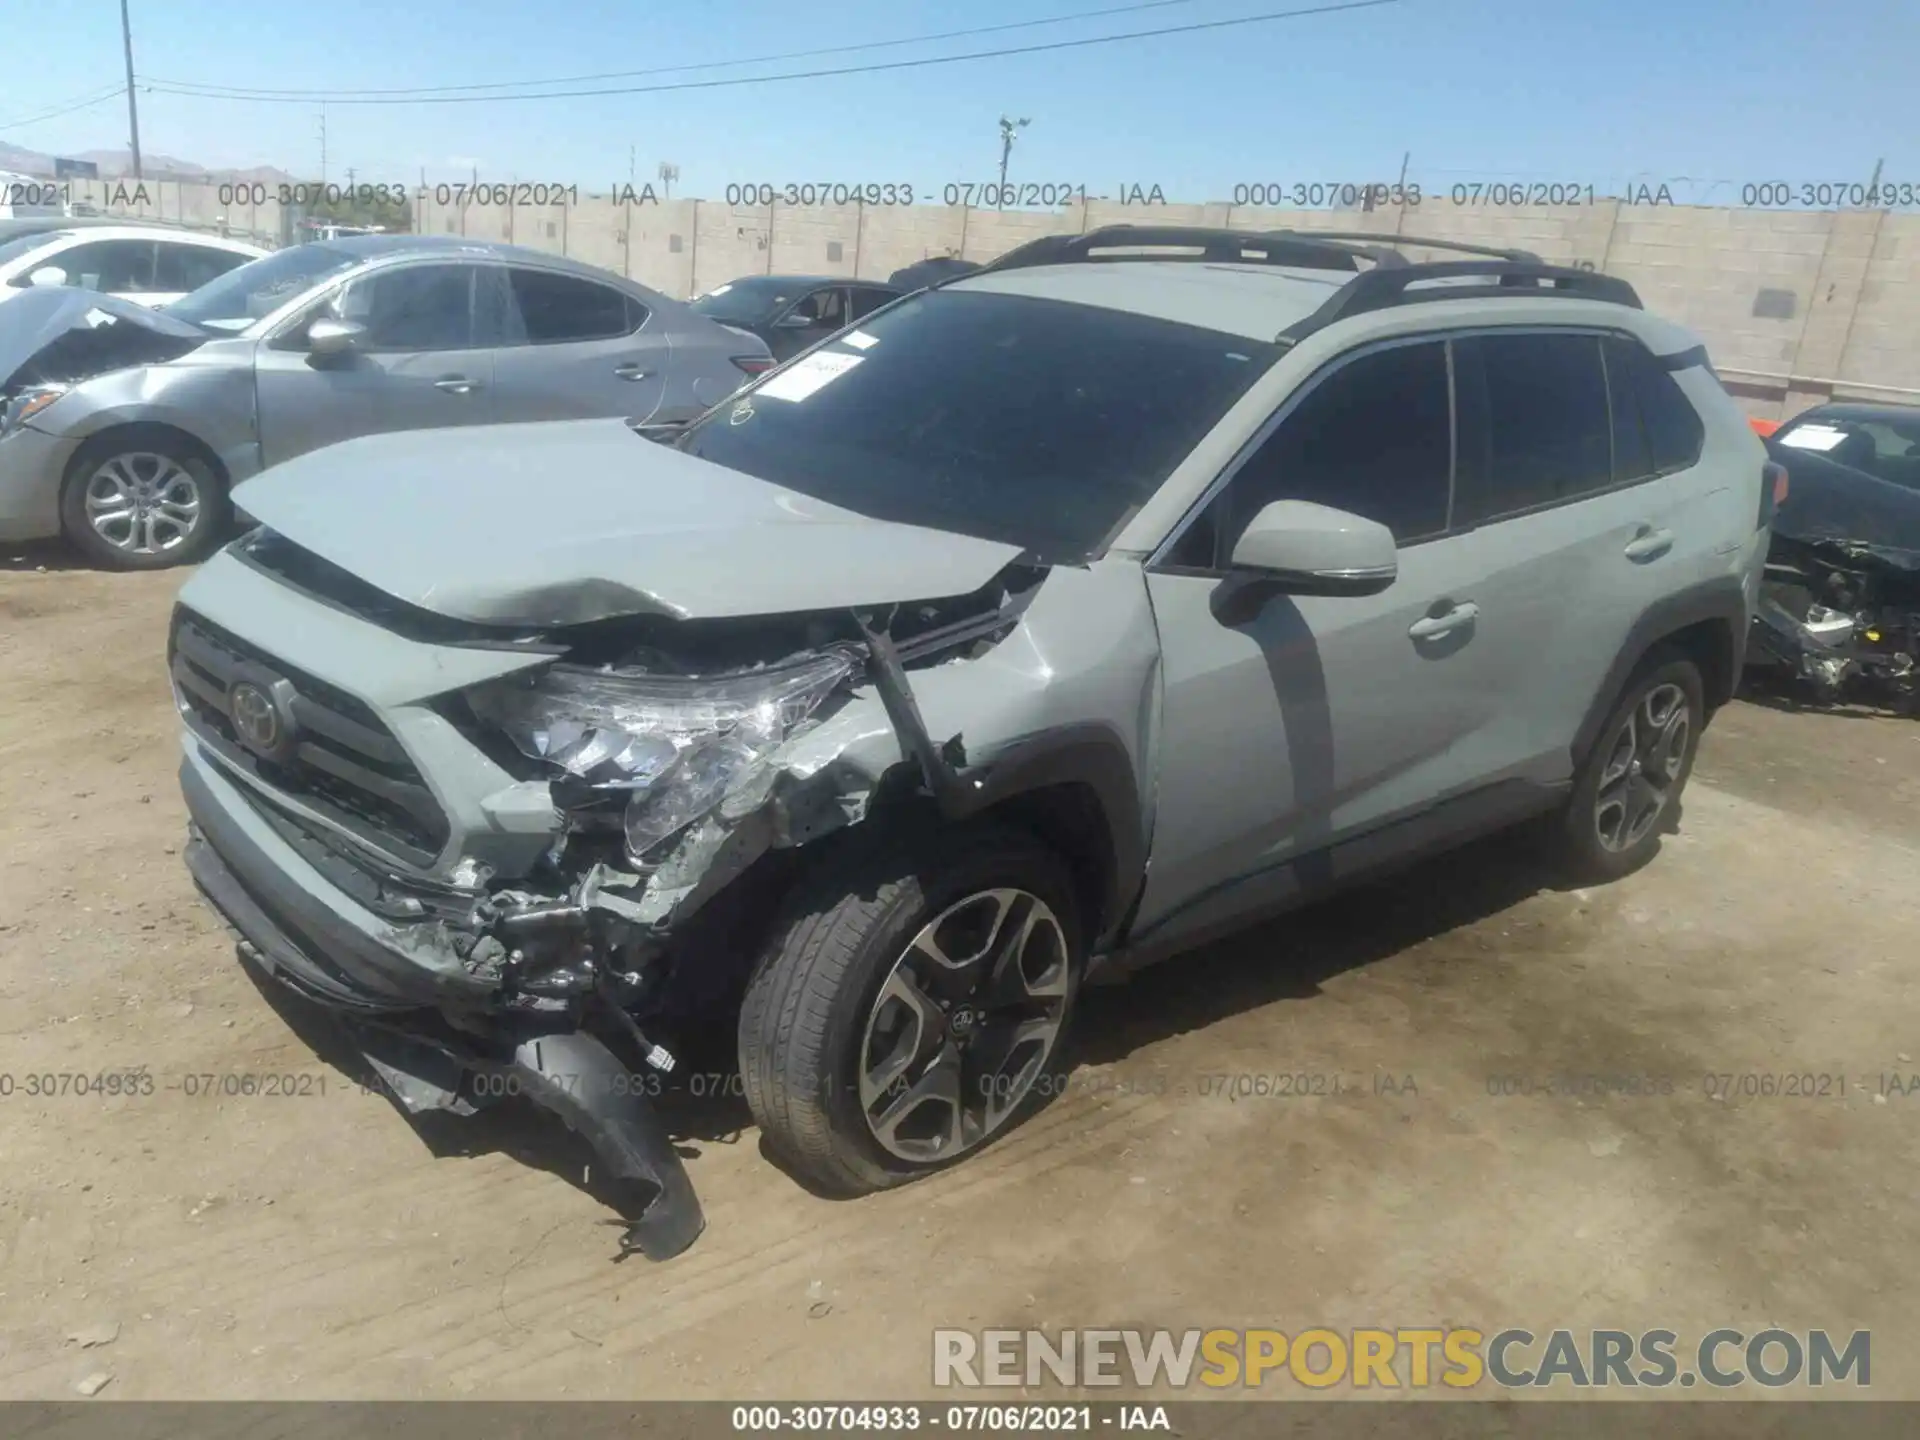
577 349
416 366
1571 504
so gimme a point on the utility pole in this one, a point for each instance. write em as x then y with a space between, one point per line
1873 185
323 144
133 105
668 173
1008 130
633 153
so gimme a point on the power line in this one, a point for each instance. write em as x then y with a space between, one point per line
67 109
247 92
803 74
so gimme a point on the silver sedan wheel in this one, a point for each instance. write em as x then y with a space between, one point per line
964 1024
1645 757
144 503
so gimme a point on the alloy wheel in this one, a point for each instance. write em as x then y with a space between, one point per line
1645 757
143 503
964 1024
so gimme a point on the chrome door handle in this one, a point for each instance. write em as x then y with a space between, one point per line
631 372
455 385
1432 627
1649 544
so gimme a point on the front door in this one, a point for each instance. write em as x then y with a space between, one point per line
1319 719
417 365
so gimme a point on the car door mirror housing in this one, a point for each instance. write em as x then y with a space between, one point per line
48 275
328 336
795 321
1308 549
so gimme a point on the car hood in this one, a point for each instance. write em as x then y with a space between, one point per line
108 334
565 522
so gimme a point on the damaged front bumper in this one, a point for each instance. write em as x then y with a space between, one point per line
425 1021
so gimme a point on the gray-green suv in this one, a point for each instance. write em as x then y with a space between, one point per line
1054 619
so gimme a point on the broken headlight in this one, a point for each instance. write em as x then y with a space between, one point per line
30 401
666 747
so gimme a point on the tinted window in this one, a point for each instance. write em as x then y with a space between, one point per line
417 307
824 309
1035 422
865 301
1656 428
556 308
1544 432
1374 437
20 245
114 267
182 269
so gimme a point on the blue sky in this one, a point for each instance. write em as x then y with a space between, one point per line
1626 90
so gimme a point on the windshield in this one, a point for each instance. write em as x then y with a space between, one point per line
1885 446
1033 422
25 244
748 302
258 288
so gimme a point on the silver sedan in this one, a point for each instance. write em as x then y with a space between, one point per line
125 429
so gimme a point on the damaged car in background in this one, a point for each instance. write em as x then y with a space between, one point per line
125 429
852 714
1840 606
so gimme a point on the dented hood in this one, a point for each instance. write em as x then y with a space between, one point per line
569 521
40 316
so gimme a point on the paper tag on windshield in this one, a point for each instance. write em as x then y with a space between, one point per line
803 377
860 340
1813 437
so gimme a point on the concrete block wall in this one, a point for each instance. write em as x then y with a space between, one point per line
1847 307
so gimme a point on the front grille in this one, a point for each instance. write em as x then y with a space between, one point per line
339 759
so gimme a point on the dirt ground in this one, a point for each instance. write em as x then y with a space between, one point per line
315 1245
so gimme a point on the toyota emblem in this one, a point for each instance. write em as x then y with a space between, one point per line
256 719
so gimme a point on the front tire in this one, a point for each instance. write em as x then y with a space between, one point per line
909 1005
137 499
1627 792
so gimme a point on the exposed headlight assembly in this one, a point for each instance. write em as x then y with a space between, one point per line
31 401
670 746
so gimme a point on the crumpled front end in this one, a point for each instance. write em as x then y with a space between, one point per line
487 851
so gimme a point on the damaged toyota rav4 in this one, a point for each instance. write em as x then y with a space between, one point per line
1137 586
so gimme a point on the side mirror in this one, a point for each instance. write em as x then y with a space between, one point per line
1309 549
795 320
328 336
48 275
1294 547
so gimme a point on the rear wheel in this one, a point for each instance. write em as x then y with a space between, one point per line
909 1007
1627 793
142 500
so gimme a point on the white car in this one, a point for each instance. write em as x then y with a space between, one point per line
147 264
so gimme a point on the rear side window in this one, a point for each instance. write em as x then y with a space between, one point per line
1374 438
556 308
1656 428
865 301
1542 433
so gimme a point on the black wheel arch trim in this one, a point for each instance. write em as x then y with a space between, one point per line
1722 599
1089 753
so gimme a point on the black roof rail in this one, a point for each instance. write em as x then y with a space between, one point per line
1430 243
1302 249
1384 288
